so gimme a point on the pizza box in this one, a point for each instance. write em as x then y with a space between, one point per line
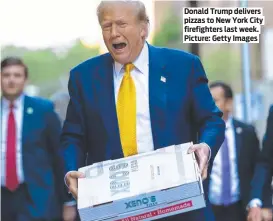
146 186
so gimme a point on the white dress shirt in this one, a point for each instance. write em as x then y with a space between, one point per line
140 75
18 114
215 189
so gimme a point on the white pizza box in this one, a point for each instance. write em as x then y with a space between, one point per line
146 186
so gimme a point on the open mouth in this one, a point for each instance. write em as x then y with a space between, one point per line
119 46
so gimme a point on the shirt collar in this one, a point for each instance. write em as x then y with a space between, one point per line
17 102
229 122
140 63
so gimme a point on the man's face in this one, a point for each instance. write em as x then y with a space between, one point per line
122 32
13 80
224 104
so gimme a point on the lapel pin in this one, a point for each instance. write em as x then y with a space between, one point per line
238 130
29 110
163 79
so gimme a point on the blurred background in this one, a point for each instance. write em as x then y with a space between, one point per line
54 35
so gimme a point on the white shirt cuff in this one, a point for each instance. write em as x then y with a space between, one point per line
71 203
255 203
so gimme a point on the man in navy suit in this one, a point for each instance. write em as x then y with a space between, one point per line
263 174
29 144
137 98
233 167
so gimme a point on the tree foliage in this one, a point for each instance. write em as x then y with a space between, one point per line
170 33
46 66
223 64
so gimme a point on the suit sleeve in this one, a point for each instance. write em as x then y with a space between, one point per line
211 127
73 151
263 172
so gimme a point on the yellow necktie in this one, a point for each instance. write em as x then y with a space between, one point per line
126 111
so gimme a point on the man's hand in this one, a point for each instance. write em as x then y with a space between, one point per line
69 213
254 214
267 214
202 152
71 180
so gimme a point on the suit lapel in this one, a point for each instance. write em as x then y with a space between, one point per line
157 94
104 84
238 138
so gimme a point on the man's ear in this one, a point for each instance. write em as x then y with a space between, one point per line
144 30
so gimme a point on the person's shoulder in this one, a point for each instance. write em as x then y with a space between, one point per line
245 126
174 53
40 103
91 63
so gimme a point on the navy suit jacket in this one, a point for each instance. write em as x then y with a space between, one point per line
181 109
40 144
261 183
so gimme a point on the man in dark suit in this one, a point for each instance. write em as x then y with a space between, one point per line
137 98
263 174
234 164
29 144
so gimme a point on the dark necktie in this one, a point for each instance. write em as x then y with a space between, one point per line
226 178
11 170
